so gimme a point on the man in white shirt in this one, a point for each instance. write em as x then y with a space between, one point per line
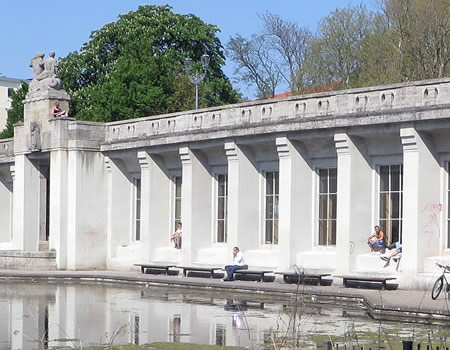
238 263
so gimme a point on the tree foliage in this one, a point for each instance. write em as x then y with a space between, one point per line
353 47
414 38
133 67
15 113
336 51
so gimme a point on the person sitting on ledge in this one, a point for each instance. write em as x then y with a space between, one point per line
57 111
377 241
176 236
238 263
395 255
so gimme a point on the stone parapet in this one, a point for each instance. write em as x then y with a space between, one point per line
7 151
413 101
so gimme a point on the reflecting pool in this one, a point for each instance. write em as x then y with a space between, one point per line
46 316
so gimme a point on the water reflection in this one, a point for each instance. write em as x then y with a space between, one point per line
44 316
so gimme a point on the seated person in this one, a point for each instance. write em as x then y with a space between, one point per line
397 246
238 263
57 111
176 236
377 240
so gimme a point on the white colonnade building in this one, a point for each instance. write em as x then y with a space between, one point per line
294 181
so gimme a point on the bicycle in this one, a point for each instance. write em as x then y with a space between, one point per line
437 287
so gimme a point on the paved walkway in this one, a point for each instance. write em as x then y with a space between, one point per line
381 304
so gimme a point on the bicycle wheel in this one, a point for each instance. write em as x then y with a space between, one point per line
437 287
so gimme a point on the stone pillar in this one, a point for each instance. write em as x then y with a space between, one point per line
6 188
295 202
155 204
354 201
87 203
195 204
421 231
119 199
243 199
58 206
26 210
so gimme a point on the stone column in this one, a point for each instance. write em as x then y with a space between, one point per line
195 204
354 201
86 197
58 206
26 210
6 202
155 204
295 202
243 199
421 200
119 197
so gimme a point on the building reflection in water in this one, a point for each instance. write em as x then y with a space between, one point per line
44 316
175 328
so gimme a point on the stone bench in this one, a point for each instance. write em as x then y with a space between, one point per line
293 277
260 274
159 267
205 269
368 279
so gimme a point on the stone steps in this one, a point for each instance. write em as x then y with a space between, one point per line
26 260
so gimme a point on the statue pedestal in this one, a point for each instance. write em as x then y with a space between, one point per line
37 114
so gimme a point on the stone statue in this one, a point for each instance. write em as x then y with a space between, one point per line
44 73
37 63
35 131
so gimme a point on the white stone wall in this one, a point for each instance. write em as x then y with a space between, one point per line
93 167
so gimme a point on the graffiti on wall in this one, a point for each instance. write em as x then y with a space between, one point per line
431 229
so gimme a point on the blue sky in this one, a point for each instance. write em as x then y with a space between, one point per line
63 26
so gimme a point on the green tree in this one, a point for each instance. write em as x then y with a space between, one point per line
134 67
411 42
336 52
15 113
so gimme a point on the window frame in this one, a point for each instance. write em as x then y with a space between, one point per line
387 228
136 210
328 194
215 208
276 208
173 221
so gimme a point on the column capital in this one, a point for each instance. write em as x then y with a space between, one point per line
231 150
185 155
409 139
107 160
143 158
283 147
342 143
12 170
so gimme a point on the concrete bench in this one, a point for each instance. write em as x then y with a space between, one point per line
159 267
369 279
291 276
260 274
206 269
